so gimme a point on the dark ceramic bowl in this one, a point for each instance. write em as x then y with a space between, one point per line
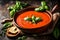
33 30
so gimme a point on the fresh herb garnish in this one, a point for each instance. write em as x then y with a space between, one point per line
38 19
6 25
56 32
22 38
43 3
33 19
18 6
27 18
43 6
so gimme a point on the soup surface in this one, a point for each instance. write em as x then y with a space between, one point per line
29 25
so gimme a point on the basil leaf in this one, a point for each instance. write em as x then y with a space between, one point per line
22 38
46 7
24 4
18 6
33 19
42 8
4 32
38 19
19 38
37 9
10 8
27 18
12 13
6 25
56 33
43 3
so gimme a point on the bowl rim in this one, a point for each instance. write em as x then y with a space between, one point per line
49 13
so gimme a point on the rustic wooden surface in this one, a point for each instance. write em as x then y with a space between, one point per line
5 14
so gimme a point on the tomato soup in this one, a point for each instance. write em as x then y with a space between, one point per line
29 25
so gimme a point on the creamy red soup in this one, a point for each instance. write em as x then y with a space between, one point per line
29 25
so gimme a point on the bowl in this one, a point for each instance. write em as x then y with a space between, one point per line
33 30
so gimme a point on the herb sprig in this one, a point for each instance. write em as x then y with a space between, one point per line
42 7
5 26
15 8
22 38
33 19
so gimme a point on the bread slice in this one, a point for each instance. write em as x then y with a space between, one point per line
12 31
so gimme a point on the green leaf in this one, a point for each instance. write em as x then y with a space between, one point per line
24 4
27 18
19 38
38 19
10 8
43 3
56 33
18 3
46 7
33 19
15 8
12 13
22 38
41 8
37 9
6 25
